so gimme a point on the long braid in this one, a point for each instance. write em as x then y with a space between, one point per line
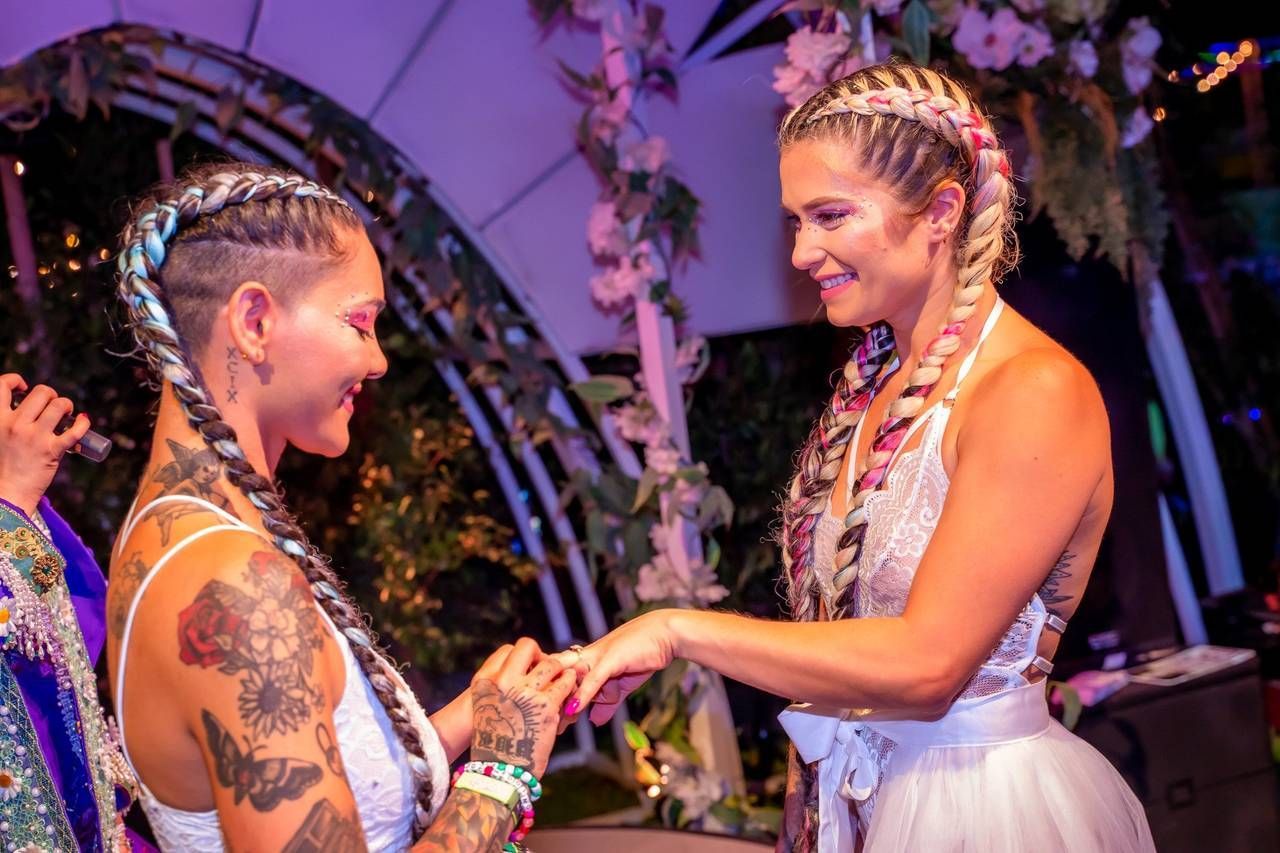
820 466
145 247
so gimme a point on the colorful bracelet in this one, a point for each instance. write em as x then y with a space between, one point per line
471 780
519 774
497 789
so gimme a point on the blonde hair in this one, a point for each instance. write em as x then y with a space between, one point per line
913 128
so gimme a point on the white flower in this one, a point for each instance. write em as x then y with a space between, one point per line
1035 45
7 614
605 234
649 156
1084 58
10 784
667 579
1136 128
1139 45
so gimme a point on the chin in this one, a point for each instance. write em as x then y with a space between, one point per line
328 446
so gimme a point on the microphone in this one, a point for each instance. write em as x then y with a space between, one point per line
92 446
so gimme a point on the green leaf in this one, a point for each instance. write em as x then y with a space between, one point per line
604 389
915 29
636 739
648 482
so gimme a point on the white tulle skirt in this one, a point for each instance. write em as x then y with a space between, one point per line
995 775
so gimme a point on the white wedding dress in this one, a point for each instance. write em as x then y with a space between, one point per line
996 774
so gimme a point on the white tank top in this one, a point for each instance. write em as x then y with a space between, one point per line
376 764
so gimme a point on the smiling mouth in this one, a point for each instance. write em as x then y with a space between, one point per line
349 398
836 281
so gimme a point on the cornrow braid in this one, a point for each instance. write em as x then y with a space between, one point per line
145 246
918 128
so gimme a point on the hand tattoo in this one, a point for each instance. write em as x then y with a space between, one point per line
267 782
326 831
506 724
268 636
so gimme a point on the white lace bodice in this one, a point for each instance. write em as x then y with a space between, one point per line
901 518
376 764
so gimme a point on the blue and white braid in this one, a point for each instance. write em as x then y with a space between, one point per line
145 245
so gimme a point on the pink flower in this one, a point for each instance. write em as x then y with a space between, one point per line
1137 128
664 460
815 52
1139 45
989 42
649 156
665 579
591 10
690 359
1084 58
605 234
623 281
1035 45
640 422
795 85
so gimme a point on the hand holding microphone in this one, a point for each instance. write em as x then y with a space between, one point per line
36 429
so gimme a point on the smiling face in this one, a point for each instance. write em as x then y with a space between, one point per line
871 257
322 350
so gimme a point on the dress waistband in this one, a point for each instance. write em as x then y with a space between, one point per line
1007 716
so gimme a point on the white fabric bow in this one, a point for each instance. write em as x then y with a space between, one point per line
846 767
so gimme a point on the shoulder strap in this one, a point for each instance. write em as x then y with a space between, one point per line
967 364
121 665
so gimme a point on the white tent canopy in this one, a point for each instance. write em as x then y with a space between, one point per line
471 94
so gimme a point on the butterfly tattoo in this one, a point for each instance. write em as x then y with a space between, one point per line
267 782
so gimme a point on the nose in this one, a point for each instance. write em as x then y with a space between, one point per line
379 367
807 252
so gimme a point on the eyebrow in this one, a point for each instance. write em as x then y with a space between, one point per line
821 201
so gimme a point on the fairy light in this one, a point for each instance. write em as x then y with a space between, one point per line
103 254
1246 47
1173 77
1159 114
1196 69
73 240
73 265
19 167
1238 56
1231 65
1222 57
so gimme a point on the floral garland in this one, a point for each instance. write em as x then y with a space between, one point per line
642 225
1046 65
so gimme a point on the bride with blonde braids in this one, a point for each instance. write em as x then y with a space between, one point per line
944 519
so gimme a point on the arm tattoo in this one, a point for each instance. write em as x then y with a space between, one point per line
233 366
268 637
506 725
332 756
125 580
326 830
267 782
1049 591
195 472
468 822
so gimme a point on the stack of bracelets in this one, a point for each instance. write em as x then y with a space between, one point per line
514 787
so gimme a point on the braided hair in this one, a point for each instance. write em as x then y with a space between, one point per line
208 237
913 128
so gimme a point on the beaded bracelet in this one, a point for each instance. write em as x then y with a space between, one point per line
525 815
519 774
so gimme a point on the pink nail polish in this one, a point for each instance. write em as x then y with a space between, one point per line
571 707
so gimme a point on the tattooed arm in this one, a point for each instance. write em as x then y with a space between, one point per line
257 677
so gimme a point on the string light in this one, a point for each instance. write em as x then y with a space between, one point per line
103 254
1202 86
73 240
1246 47
1173 76
1222 57
19 167
1159 114
73 265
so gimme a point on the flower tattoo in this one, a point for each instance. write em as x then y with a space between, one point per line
268 637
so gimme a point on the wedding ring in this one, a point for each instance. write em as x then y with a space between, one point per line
578 649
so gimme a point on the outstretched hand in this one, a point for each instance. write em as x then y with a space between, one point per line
619 663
